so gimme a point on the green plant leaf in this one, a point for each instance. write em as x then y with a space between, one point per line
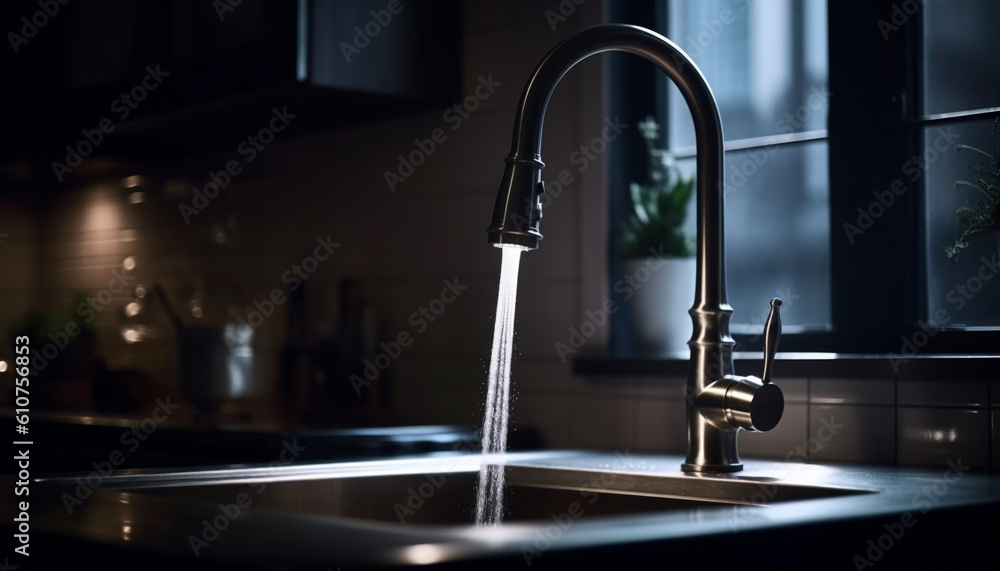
983 216
658 206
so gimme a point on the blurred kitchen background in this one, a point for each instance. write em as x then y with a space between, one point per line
309 191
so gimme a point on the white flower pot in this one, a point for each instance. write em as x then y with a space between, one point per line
662 293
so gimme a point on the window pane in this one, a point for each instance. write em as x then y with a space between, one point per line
763 58
962 293
766 61
777 233
960 47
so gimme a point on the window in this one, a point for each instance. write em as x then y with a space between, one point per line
766 61
841 121
960 98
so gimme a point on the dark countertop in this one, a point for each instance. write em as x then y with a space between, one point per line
918 517
73 442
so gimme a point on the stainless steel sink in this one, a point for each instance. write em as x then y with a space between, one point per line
560 505
442 491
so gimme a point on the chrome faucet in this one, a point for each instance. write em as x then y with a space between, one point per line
720 403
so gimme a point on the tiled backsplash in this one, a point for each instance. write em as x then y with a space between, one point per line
906 422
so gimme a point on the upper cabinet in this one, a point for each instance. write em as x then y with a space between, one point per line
168 79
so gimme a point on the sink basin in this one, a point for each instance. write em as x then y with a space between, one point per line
563 508
442 490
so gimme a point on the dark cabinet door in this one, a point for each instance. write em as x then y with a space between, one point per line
165 76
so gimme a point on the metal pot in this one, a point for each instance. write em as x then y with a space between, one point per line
215 364
218 364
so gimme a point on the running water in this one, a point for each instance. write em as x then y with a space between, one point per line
489 496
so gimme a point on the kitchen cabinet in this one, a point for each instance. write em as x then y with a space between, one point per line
162 80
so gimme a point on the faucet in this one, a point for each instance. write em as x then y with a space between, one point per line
719 403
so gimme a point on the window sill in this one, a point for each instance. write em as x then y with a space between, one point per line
813 365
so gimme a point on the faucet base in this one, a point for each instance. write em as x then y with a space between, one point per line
709 468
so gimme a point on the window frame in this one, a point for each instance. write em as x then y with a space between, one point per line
878 290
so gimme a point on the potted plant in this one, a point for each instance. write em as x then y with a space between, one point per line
984 215
658 252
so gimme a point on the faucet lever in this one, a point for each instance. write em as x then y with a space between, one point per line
772 333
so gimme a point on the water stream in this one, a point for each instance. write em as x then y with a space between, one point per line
489 495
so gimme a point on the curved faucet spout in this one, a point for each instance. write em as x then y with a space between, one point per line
517 200
719 403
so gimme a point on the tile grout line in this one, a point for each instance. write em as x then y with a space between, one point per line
895 421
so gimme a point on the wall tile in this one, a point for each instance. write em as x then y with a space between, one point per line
428 251
852 433
396 302
932 436
661 426
470 155
549 414
670 388
788 437
852 391
943 393
422 406
436 373
545 312
546 376
489 15
511 53
601 423
605 386
18 267
794 390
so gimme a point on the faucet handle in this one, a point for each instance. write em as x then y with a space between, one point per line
772 333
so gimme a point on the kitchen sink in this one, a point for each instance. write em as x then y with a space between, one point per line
562 508
442 490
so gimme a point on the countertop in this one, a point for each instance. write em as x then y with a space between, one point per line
72 442
905 516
